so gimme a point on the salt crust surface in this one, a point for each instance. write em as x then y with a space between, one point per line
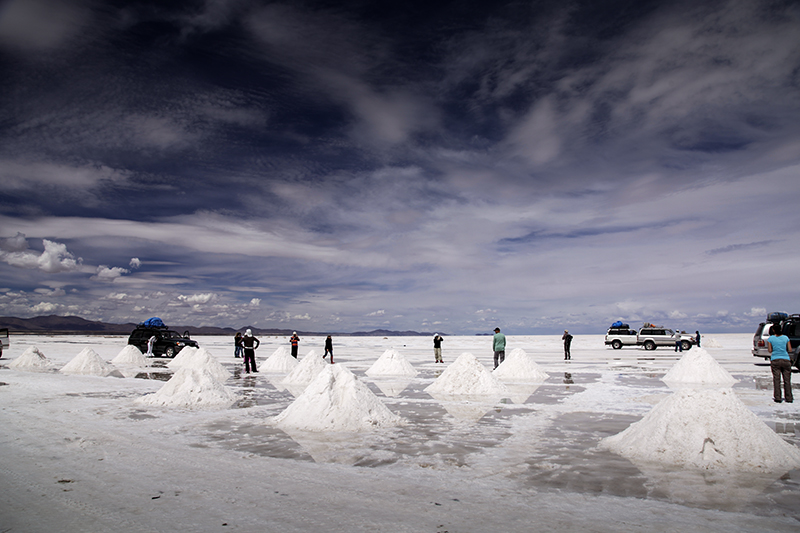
704 429
201 359
467 376
280 362
519 366
391 363
130 355
89 363
306 370
336 401
192 388
31 360
698 366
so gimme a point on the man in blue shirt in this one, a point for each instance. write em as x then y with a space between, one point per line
499 346
780 363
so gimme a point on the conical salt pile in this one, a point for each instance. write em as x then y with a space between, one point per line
706 429
89 363
336 401
202 360
192 388
519 366
280 362
391 363
308 368
130 355
467 376
185 355
697 366
31 360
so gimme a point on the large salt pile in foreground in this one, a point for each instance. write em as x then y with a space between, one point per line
192 388
31 360
130 355
336 401
201 360
308 369
467 376
89 363
280 362
705 429
519 366
698 367
391 363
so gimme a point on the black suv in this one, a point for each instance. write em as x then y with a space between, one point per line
167 344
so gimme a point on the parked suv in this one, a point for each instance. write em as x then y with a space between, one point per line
790 326
167 343
651 338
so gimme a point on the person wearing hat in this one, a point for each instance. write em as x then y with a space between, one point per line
295 340
567 338
499 347
437 348
250 343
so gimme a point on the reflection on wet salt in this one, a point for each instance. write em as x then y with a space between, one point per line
520 392
466 408
392 388
159 376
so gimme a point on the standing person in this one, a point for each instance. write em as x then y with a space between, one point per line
250 344
697 338
499 347
237 343
150 342
328 348
295 340
780 363
567 338
437 348
678 343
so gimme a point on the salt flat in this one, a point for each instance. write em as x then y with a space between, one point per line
79 453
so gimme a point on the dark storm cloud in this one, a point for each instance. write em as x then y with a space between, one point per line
425 160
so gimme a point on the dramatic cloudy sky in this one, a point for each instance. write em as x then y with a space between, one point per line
429 165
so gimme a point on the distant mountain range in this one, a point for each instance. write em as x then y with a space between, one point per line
77 325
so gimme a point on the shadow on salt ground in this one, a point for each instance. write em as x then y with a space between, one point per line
567 459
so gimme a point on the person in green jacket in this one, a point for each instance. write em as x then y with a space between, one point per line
499 347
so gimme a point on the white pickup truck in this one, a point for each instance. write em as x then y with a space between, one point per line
651 337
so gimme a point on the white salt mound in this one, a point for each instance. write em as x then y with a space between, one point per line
704 429
31 360
698 366
202 360
280 362
89 363
183 357
467 376
391 363
192 388
710 342
130 355
336 401
519 366
308 368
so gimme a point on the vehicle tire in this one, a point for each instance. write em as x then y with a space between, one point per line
686 345
649 345
616 344
169 351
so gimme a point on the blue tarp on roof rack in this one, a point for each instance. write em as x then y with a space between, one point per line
154 322
617 324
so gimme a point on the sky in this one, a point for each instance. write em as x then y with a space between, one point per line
429 166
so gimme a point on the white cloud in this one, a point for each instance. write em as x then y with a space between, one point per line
379 312
255 302
55 257
197 298
757 312
135 263
105 273
45 307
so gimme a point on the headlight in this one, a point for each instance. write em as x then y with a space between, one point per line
179 343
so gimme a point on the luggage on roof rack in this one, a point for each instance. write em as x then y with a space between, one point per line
777 317
153 322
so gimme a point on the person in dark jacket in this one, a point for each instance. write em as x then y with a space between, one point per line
328 348
697 338
295 340
237 343
250 344
437 348
567 338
